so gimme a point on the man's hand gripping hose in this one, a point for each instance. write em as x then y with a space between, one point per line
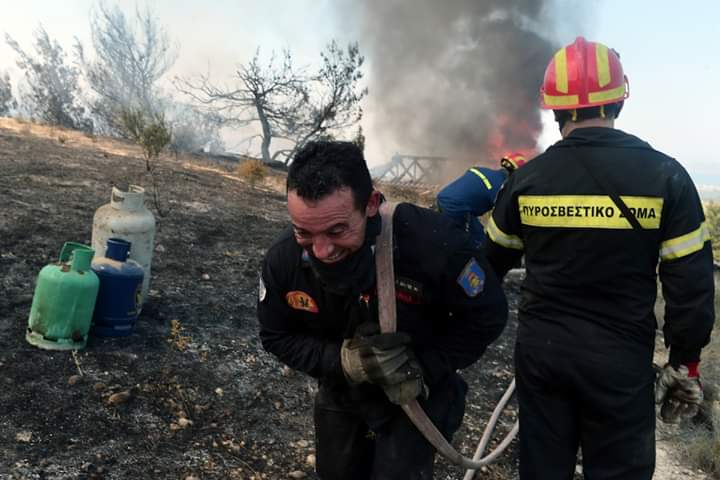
388 324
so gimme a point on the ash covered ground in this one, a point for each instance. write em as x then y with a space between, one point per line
191 394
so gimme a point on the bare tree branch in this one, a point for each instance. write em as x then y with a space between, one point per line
7 101
53 91
131 55
286 103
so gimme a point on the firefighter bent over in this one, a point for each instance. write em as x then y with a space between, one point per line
593 237
473 194
318 313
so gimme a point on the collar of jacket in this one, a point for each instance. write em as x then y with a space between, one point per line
601 137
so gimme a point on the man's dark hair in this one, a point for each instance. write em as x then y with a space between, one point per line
322 167
611 110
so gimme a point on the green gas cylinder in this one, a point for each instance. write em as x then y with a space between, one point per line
64 301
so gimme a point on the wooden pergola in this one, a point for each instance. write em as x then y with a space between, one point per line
410 169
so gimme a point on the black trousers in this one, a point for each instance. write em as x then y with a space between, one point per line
602 402
365 437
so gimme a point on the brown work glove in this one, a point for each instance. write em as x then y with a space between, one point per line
679 391
404 392
378 358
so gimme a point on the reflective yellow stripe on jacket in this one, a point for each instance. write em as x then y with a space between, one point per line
685 244
482 177
588 211
502 238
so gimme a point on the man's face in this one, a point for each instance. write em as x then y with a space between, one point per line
331 228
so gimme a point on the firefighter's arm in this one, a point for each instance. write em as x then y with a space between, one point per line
282 333
688 289
455 199
505 245
476 315
686 273
467 195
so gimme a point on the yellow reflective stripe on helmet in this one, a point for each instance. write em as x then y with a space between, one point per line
561 73
612 94
561 100
588 211
603 64
502 238
684 245
482 177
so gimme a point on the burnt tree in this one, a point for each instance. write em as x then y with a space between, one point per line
286 103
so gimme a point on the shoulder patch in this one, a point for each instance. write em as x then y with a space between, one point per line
301 301
262 291
472 278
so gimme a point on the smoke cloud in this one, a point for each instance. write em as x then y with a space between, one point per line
456 78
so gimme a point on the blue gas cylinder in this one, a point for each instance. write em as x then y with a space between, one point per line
120 294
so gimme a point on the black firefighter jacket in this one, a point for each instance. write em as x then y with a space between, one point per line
591 278
448 300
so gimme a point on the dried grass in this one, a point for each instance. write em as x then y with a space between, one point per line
252 171
700 444
701 449
423 196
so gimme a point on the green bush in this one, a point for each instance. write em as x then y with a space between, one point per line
149 130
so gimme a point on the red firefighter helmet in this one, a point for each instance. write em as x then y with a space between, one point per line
583 74
513 161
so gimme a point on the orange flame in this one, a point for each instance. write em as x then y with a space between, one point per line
510 135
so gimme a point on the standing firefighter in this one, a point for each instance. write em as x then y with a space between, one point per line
593 235
473 194
318 313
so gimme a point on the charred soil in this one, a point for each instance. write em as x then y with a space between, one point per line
190 394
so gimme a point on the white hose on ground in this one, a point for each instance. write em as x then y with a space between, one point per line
388 323
485 439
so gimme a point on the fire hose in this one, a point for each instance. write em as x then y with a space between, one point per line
388 323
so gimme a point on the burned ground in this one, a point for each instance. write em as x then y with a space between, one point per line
191 394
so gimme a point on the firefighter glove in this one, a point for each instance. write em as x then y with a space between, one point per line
378 358
404 392
679 393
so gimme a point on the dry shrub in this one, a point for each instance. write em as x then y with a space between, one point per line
252 171
710 364
712 217
419 195
701 447
62 138
177 340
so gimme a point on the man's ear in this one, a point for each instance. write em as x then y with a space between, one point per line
373 204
